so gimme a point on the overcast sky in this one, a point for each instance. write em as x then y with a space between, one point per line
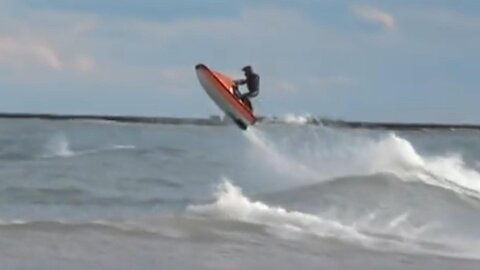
358 60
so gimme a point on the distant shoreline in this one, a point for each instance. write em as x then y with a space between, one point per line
218 121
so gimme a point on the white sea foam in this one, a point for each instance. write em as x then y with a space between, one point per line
59 147
233 205
328 155
397 234
296 119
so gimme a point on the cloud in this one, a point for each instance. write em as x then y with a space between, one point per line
130 52
21 53
85 26
83 63
252 28
374 15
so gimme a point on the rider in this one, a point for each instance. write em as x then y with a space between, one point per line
252 80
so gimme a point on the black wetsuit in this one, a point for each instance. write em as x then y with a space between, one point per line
253 82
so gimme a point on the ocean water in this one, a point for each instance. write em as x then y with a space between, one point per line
103 195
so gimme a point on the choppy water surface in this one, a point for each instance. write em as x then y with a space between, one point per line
103 195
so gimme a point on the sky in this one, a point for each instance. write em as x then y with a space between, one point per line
372 60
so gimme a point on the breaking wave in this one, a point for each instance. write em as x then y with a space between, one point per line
373 190
398 234
331 154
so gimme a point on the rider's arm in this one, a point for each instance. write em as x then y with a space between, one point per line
240 81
